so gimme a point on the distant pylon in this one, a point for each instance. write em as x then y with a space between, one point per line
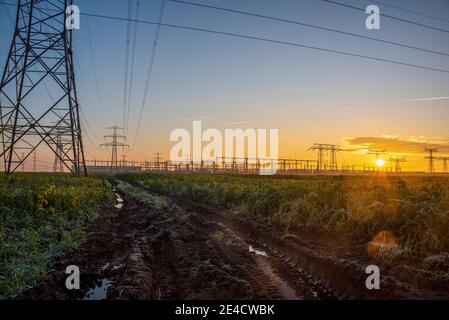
35 161
115 143
397 164
322 148
431 158
158 160
377 153
23 162
58 165
445 167
40 65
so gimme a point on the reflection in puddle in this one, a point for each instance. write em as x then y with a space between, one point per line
258 252
99 292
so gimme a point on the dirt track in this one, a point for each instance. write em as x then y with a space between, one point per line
186 250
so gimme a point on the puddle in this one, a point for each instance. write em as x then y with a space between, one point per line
258 252
118 201
99 292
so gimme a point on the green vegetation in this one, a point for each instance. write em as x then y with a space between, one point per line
413 209
140 194
40 219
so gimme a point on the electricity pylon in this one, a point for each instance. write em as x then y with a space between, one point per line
444 159
431 158
58 165
322 148
115 143
397 164
37 90
377 153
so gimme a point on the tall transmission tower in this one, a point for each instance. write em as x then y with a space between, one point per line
37 90
114 144
431 158
397 164
445 167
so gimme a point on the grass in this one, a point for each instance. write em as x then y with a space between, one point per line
41 218
140 194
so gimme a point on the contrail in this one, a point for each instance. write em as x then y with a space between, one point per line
427 99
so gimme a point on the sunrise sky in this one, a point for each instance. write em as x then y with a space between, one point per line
310 96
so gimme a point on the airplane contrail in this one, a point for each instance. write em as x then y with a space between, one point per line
426 99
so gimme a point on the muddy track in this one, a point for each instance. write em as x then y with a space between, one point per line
186 250
141 251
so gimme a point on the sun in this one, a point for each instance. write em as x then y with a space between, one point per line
380 163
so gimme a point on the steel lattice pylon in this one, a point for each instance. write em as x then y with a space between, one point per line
38 99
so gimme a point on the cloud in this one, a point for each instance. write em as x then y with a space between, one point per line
426 99
238 123
395 144
198 118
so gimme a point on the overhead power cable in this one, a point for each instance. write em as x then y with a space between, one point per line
133 61
94 69
128 40
407 10
243 36
308 25
388 16
149 73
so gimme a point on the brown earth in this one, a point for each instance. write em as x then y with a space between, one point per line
187 250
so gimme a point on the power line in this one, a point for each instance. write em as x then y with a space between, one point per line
387 16
133 60
243 36
150 71
94 69
128 40
310 26
408 10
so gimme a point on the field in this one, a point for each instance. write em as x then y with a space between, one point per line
191 236
414 210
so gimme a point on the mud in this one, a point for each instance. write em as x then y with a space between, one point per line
186 250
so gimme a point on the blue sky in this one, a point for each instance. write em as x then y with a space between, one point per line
310 96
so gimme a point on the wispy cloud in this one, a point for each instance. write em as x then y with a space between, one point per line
238 123
426 99
395 144
198 118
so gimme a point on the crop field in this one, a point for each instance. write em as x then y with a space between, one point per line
414 210
201 236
